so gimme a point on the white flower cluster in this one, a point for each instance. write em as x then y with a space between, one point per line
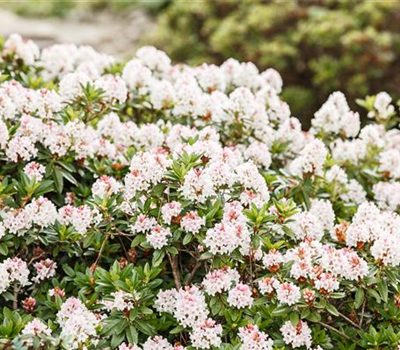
13 270
189 307
77 323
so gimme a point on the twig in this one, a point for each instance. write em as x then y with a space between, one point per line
362 314
175 270
198 264
333 329
36 258
123 247
15 301
101 250
349 321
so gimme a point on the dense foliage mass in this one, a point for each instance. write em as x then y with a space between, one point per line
165 207
317 46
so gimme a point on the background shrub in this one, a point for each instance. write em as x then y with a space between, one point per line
317 46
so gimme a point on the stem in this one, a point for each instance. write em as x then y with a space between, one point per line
123 247
333 329
15 301
36 258
198 264
362 314
349 321
173 260
101 250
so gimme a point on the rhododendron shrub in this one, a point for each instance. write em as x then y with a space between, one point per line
152 206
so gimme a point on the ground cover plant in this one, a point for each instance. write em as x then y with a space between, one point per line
147 205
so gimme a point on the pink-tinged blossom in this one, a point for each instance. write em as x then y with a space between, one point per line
159 343
221 239
326 283
17 270
220 280
253 339
158 236
170 210
77 323
197 186
24 49
166 301
45 269
206 335
105 186
311 159
144 223
35 328
35 171
287 293
192 222
240 296
114 88
121 301
81 218
272 260
266 285
146 169
21 148
125 346
4 278
42 212
17 221
296 336
3 134
191 307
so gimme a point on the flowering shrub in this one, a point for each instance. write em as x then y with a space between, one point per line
159 207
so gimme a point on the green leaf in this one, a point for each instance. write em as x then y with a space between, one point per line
117 339
314 317
132 335
188 237
383 290
68 177
158 257
305 313
294 318
206 256
359 298
58 180
177 330
145 327
281 310
3 249
332 310
137 240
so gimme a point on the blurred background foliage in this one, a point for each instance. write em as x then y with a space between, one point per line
317 46
64 8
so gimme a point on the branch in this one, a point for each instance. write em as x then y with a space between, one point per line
333 329
175 270
349 321
101 250
362 314
15 301
198 264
